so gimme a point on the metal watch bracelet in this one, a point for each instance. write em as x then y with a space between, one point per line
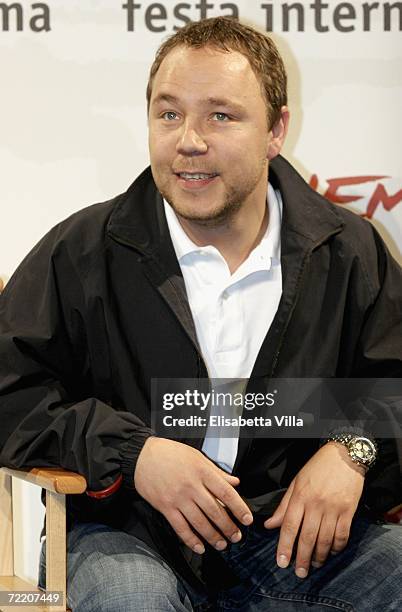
362 450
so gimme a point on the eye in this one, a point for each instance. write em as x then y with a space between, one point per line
221 117
169 115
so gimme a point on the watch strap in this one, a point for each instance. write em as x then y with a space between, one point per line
356 453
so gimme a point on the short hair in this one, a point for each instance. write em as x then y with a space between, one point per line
228 34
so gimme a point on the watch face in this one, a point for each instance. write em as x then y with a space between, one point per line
362 449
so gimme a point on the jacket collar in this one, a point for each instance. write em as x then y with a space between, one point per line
305 212
139 218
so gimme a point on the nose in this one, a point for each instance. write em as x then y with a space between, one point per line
190 141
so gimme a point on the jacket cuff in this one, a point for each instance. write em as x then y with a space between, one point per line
130 451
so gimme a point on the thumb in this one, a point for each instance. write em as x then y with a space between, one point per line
276 519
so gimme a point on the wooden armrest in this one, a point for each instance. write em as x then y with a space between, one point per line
51 479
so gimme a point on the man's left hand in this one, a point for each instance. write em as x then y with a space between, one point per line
322 499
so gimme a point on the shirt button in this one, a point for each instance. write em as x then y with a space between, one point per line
225 295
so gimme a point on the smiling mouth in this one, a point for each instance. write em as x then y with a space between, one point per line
195 176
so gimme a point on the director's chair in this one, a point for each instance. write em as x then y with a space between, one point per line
58 483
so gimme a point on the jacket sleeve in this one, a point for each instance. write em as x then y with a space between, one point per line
377 355
48 413
380 348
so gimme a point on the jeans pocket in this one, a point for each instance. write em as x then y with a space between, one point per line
296 602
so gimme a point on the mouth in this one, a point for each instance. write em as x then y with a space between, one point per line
195 180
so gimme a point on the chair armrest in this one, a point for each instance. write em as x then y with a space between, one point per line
51 479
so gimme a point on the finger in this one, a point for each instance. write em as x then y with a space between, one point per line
234 481
198 521
289 530
342 533
184 531
225 493
307 540
324 540
276 519
229 477
217 514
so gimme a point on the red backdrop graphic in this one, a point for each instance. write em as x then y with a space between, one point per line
379 195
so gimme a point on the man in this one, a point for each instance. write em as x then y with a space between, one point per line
203 269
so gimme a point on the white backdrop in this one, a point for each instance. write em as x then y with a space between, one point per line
73 126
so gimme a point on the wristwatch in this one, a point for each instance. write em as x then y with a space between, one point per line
362 450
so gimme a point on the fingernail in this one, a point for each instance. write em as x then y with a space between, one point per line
283 561
247 519
301 572
316 564
220 545
236 537
199 549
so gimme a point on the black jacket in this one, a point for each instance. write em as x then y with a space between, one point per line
98 308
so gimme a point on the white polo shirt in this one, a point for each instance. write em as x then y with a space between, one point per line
232 312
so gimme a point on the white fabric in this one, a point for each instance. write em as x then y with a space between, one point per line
232 313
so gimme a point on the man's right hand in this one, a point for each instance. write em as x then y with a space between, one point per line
191 492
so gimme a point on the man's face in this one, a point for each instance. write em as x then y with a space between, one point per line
208 134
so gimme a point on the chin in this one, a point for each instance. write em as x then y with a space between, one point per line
213 217
192 213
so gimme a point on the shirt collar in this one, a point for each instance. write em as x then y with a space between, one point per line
268 250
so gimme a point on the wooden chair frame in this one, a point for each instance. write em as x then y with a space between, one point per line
58 483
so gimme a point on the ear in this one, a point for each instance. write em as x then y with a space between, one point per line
278 133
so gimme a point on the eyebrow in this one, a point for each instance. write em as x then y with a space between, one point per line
210 101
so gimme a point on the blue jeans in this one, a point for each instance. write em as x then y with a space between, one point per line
111 571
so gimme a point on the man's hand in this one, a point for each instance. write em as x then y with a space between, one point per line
323 498
191 492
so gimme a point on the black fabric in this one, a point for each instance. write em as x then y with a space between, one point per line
98 309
